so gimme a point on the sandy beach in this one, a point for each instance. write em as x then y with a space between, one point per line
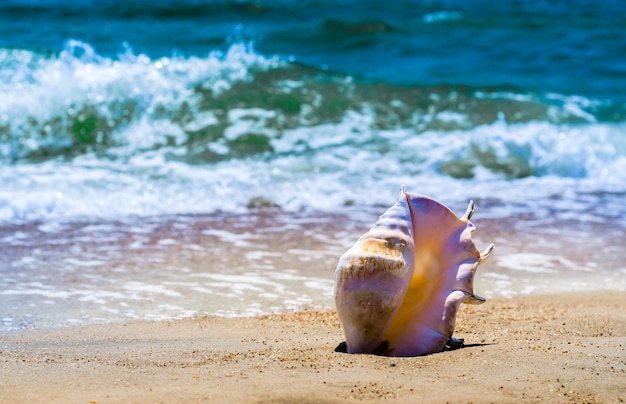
560 348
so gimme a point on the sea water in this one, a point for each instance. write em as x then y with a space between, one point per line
172 158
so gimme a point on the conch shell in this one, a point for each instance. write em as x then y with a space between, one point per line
398 289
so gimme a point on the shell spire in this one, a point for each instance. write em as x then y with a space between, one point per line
398 289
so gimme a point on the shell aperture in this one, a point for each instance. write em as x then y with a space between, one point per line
398 289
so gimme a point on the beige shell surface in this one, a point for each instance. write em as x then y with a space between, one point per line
397 290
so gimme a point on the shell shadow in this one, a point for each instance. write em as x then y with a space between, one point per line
342 347
452 345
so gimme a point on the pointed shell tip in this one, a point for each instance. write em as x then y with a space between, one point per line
469 211
485 254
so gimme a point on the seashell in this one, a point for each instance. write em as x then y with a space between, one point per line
398 289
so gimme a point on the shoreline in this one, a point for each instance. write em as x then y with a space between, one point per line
265 261
556 348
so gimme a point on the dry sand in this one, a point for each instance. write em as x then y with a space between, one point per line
566 348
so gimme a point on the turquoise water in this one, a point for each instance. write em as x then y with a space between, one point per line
114 108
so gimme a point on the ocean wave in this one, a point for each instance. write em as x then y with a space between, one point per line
536 168
230 104
80 101
84 135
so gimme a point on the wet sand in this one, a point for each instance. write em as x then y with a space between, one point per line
267 261
559 348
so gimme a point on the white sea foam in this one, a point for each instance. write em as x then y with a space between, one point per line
538 263
343 166
84 263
